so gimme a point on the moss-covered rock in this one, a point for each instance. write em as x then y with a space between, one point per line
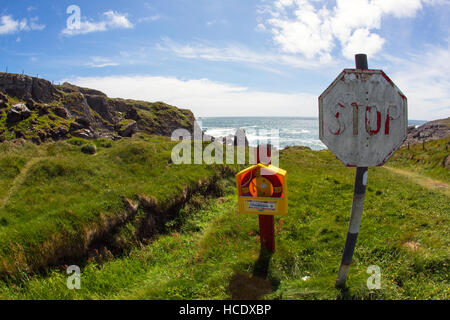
65 111
89 149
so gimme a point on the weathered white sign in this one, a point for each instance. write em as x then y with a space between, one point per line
363 117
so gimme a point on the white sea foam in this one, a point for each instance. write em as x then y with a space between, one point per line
292 131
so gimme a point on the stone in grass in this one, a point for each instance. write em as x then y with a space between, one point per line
129 129
18 113
89 149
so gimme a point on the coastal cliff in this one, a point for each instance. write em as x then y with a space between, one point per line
433 130
34 109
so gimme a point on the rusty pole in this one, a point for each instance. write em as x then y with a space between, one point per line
357 207
266 222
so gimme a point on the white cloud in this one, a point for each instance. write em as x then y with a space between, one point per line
23 24
425 80
260 27
111 20
309 33
101 62
313 29
34 25
117 20
235 53
204 97
9 25
362 41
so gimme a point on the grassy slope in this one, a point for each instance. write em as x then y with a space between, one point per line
429 162
54 196
405 231
33 126
154 118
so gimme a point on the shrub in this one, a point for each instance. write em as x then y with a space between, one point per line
89 149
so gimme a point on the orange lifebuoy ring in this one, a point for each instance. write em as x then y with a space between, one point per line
253 184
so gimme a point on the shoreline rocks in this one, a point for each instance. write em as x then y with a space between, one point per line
240 137
433 130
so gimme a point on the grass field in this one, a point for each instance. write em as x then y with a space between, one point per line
429 162
208 251
57 202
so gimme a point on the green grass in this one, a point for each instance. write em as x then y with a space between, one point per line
429 162
44 125
36 126
56 198
211 252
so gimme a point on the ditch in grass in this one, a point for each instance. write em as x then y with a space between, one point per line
214 253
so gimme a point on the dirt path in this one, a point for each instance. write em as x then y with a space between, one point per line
422 180
18 181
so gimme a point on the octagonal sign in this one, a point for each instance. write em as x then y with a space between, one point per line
363 117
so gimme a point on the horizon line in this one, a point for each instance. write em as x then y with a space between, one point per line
298 117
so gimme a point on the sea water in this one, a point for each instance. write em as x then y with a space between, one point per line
291 131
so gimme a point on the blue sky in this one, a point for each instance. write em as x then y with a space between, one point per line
229 57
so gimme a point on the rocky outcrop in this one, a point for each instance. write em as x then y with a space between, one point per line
18 113
99 104
68 88
129 129
24 88
239 138
52 112
432 130
83 133
61 112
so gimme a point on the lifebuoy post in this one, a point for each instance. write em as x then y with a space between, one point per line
266 222
262 190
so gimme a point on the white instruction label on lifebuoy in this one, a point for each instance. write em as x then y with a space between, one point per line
261 205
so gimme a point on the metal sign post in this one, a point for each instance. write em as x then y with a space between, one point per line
359 195
363 121
355 222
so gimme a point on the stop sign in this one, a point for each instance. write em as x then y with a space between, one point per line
363 117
